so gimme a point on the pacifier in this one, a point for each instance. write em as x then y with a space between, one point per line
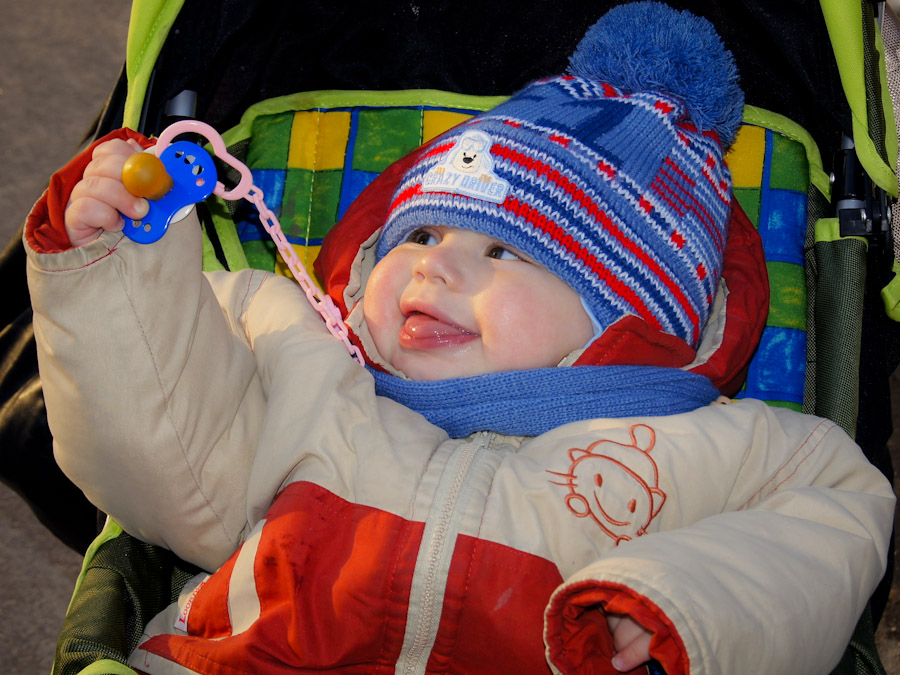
181 176
174 177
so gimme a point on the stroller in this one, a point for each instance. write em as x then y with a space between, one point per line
833 263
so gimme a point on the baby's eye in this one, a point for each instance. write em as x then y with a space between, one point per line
501 253
422 237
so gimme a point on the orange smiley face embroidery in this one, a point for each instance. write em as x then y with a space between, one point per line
615 484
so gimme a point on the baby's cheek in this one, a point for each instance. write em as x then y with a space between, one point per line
379 308
539 328
519 335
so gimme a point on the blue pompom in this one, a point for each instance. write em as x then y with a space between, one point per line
648 46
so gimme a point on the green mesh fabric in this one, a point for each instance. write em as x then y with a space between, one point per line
836 270
124 585
872 69
840 283
817 209
856 40
861 657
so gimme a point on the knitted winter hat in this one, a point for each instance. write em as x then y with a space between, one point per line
610 176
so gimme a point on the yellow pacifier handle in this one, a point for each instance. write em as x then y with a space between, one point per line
144 175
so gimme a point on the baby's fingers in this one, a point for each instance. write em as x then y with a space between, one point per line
116 147
631 642
110 191
107 164
632 655
87 218
99 198
95 206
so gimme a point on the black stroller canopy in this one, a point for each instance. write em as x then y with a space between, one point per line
236 52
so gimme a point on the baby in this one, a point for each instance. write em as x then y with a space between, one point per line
469 502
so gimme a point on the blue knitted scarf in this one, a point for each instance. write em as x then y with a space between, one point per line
531 402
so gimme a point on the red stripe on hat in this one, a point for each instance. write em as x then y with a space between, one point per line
664 106
720 187
567 242
678 170
691 128
693 204
416 188
666 191
584 201
406 195
607 168
438 150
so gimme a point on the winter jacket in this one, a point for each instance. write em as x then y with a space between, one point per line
212 413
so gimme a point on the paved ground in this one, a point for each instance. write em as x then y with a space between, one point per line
58 61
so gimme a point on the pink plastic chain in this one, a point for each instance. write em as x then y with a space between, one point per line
322 303
245 189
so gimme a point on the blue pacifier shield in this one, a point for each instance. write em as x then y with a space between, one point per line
193 180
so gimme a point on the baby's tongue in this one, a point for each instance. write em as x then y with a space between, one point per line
424 326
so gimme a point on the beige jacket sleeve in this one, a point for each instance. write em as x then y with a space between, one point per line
779 578
154 402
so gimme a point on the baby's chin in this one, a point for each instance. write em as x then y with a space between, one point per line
434 367
432 373
433 370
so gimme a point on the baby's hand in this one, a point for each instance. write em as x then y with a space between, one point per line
630 640
99 197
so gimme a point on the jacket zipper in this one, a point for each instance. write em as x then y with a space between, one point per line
433 562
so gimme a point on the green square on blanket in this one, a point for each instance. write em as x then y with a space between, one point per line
788 169
384 136
749 199
310 203
271 142
787 295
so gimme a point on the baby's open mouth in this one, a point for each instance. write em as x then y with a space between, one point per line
423 331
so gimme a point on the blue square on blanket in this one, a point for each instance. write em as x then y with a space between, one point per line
271 182
246 215
783 225
354 182
778 371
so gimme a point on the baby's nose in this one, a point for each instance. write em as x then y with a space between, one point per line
442 264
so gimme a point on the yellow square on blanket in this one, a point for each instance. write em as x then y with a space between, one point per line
747 156
318 140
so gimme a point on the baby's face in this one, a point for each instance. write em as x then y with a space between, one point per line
452 303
